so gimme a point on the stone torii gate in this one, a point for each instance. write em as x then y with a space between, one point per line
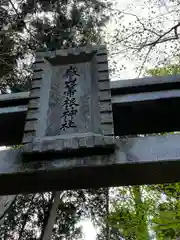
67 123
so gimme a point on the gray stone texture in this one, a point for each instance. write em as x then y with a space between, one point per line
83 97
73 142
77 107
138 160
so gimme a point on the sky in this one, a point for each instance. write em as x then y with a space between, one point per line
163 14
89 231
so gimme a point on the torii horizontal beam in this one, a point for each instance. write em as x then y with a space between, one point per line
145 105
139 160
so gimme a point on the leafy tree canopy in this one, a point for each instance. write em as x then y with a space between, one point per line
27 25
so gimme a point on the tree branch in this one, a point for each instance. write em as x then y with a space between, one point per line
145 59
16 11
161 38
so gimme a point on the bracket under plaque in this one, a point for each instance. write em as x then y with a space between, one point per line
70 108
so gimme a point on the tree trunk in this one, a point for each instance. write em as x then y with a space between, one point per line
142 228
52 217
107 213
46 216
25 219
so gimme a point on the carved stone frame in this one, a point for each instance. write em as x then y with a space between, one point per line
34 139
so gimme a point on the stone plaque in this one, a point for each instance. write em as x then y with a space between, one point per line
70 107
72 101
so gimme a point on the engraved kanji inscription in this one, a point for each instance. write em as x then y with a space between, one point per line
69 104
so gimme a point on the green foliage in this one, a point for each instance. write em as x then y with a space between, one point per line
164 210
167 223
130 211
137 210
28 215
172 69
28 25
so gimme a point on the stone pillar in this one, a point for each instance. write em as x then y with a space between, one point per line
70 110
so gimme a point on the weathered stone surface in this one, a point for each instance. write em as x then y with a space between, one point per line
138 160
103 76
109 140
36 146
145 96
107 129
61 52
34 93
104 85
14 96
10 110
67 143
102 67
105 106
38 75
145 81
89 142
106 117
101 49
39 59
101 59
33 104
14 115
104 95
36 84
32 114
74 143
27 147
30 125
28 137
81 100
58 145
70 94
99 141
38 66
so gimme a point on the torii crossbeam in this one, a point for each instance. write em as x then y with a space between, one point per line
69 151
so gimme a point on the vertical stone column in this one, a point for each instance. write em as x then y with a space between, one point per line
70 108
